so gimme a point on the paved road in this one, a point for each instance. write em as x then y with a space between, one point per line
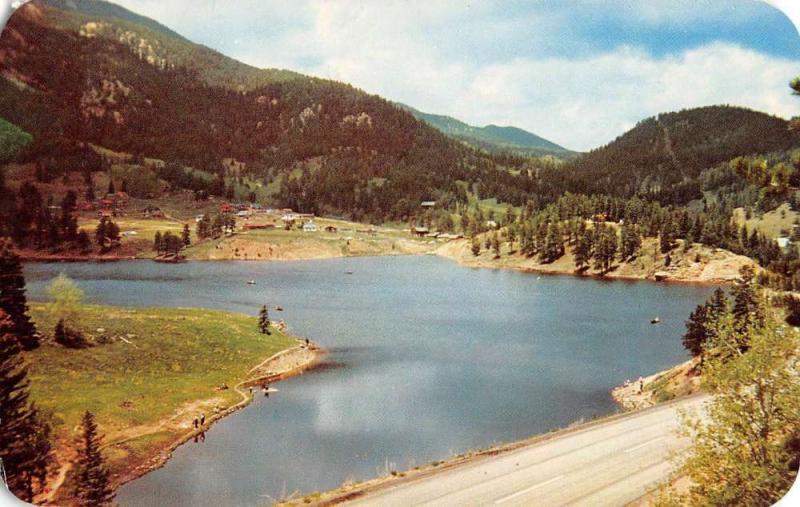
611 463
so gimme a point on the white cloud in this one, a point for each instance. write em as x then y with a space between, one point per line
586 102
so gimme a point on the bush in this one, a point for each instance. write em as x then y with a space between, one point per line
68 337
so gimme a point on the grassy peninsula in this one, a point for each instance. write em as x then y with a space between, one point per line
147 374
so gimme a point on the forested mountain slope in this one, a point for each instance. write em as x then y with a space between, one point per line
492 137
72 76
662 155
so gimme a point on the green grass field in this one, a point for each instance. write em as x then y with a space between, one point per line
172 357
775 223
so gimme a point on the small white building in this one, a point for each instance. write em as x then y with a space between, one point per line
783 242
310 227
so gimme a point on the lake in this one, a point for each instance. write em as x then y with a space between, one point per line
427 360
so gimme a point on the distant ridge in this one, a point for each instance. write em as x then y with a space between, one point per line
491 137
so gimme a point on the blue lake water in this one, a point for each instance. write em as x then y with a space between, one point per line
428 359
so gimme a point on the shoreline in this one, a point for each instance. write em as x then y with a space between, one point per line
608 277
308 357
457 251
352 491
280 366
466 263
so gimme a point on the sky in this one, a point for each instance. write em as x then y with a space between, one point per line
579 72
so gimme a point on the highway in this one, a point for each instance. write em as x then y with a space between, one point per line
608 463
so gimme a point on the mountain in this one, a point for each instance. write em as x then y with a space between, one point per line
158 44
492 137
97 74
663 156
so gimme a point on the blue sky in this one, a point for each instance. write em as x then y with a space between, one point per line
576 72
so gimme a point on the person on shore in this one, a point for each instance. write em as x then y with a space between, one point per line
202 419
641 385
307 342
196 423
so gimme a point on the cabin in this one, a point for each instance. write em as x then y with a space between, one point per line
310 227
420 231
331 228
153 212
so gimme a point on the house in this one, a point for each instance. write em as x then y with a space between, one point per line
226 208
783 242
428 204
243 214
289 217
420 231
153 212
310 227
330 228
491 224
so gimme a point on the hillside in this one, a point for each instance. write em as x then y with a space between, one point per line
78 76
492 137
12 140
663 156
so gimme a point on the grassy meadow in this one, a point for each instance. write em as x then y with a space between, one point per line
148 374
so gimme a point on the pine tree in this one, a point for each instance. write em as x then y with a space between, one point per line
583 250
747 309
12 297
263 320
496 245
92 487
157 246
476 246
186 235
24 435
100 233
697 330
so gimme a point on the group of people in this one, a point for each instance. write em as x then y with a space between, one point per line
200 424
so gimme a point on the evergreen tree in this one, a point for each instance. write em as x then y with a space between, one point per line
157 246
24 434
553 247
496 245
263 320
186 235
12 297
630 242
83 242
476 246
100 234
666 237
697 330
605 248
92 486
747 308
583 250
